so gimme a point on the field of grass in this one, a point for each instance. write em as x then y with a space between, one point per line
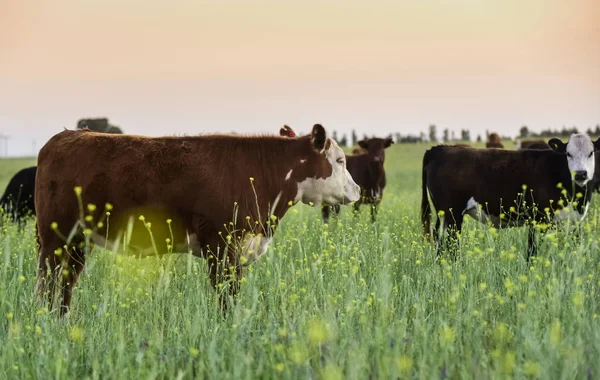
351 300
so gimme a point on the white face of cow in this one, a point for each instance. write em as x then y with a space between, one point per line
580 156
339 187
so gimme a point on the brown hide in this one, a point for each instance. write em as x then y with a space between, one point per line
202 184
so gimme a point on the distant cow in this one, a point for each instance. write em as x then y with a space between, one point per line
18 199
98 125
366 169
216 196
531 144
359 150
487 185
494 141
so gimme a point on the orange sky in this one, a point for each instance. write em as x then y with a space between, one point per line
184 66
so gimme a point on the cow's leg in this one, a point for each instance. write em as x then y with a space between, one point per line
356 207
223 271
450 239
48 271
70 274
531 243
336 208
374 210
325 213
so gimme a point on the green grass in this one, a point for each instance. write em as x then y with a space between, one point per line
349 300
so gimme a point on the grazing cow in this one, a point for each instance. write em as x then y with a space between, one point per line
494 141
500 186
216 196
18 199
366 169
531 144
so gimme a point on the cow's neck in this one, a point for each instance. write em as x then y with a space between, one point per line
277 194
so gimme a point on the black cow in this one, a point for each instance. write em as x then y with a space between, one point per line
500 186
594 183
17 201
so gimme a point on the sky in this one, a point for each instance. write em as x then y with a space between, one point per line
378 66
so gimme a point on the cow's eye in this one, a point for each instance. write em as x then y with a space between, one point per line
340 161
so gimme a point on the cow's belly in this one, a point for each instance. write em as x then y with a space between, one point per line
475 211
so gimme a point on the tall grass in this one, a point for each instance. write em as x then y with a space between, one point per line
348 300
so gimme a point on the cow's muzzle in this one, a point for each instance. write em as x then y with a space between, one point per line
581 176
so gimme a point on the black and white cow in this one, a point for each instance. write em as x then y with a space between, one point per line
17 200
594 184
507 188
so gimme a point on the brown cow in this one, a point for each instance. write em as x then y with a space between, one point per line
216 196
366 169
357 151
494 141
532 144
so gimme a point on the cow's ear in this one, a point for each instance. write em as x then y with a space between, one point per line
557 145
287 131
363 144
389 141
597 144
318 137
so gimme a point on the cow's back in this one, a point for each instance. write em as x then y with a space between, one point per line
134 175
454 175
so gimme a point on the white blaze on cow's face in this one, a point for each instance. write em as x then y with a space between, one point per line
337 188
580 157
580 152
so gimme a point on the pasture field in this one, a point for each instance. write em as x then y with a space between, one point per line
348 300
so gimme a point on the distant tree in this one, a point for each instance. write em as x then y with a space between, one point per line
524 132
354 138
478 138
398 137
589 131
445 135
453 135
597 130
433 133
344 140
335 136
487 134
421 136
465 135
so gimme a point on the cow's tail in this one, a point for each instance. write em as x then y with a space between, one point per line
425 208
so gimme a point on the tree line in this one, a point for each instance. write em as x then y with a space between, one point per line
464 135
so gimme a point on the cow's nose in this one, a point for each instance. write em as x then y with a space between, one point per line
580 175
